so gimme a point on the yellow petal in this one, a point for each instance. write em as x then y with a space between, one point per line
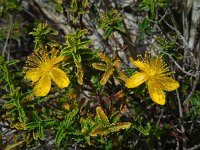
59 77
156 93
56 60
33 74
43 85
136 79
168 84
143 66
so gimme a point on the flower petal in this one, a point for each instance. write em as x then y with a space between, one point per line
156 93
136 79
43 85
56 60
59 77
168 84
143 66
33 74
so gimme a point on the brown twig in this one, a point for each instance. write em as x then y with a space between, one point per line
8 140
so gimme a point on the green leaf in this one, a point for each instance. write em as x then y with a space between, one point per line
22 116
59 136
74 5
59 8
67 51
77 60
48 122
84 3
80 32
142 130
68 121
104 130
108 31
9 105
111 21
36 117
41 131
115 117
83 45
32 125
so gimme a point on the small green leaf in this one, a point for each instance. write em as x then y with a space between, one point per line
77 60
41 132
59 8
22 116
108 31
36 117
142 130
115 117
59 136
32 125
84 3
80 33
9 105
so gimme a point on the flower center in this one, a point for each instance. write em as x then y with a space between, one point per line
46 66
152 73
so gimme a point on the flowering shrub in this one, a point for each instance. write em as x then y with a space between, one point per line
66 91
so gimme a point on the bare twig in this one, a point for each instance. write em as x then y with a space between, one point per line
181 117
8 140
8 36
195 147
187 73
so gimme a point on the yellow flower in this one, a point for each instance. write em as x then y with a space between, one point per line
155 73
42 67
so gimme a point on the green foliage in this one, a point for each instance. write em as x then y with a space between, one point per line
150 6
77 8
109 68
195 111
66 129
58 5
110 22
6 77
41 34
77 51
100 125
96 110
5 29
166 45
144 29
8 6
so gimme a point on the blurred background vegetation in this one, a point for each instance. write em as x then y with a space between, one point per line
70 118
